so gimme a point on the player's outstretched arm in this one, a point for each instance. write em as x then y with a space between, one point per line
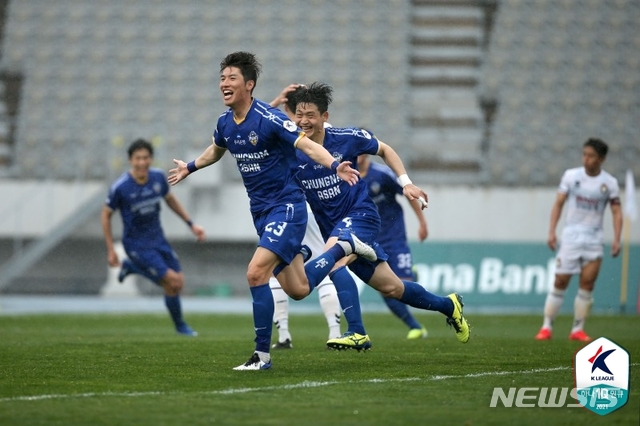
393 160
283 97
210 155
321 156
423 230
179 209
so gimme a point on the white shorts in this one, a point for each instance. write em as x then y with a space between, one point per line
571 258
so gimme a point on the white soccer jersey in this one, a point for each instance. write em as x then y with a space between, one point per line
587 198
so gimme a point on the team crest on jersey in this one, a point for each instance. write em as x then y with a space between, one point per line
577 185
375 187
604 189
253 138
289 125
157 187
337 156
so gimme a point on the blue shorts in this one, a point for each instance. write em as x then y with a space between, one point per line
400 260
366 227
282 229
154 261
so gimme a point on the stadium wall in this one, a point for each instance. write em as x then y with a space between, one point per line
455 213
488 243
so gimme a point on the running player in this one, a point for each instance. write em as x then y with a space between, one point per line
587 191
327 295
340 208
137 194
264 142
383 188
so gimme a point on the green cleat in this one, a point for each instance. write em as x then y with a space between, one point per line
350 340
456 320
417 333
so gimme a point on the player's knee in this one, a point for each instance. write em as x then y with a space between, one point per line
394 292
256 276
173 282
298 293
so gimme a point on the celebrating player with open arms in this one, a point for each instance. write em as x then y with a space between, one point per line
263 141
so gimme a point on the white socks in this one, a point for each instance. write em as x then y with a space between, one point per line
330 305
552 306
581 308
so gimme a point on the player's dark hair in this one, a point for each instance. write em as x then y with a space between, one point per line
246 62
319 94
601 148
140 144
291 98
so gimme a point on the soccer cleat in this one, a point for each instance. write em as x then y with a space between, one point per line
283 345
544 334
124 270
254 363
350 340
456 320
185 330
580 336
417 333
357 246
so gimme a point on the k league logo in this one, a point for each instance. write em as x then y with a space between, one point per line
602 376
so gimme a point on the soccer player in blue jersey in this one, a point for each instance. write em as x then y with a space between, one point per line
383 188
264 142
340 208
138 194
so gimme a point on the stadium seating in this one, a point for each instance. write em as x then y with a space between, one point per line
414 72
561 72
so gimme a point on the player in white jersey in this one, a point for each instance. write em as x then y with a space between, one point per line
587 190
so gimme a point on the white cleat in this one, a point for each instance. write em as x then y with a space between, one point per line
358 247
254 363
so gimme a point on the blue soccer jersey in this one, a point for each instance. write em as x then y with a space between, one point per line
383 187
331 198
139 205
263 145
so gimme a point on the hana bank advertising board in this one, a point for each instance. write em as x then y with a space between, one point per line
512 277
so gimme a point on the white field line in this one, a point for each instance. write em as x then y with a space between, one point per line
286 387
232 391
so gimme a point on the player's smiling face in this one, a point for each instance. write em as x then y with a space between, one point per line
140 161
235 91
311 121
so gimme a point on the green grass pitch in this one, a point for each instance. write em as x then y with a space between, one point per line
133 370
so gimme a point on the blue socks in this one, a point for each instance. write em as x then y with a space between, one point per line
401 310
349 299
417 296
262 316
175 309
319 267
